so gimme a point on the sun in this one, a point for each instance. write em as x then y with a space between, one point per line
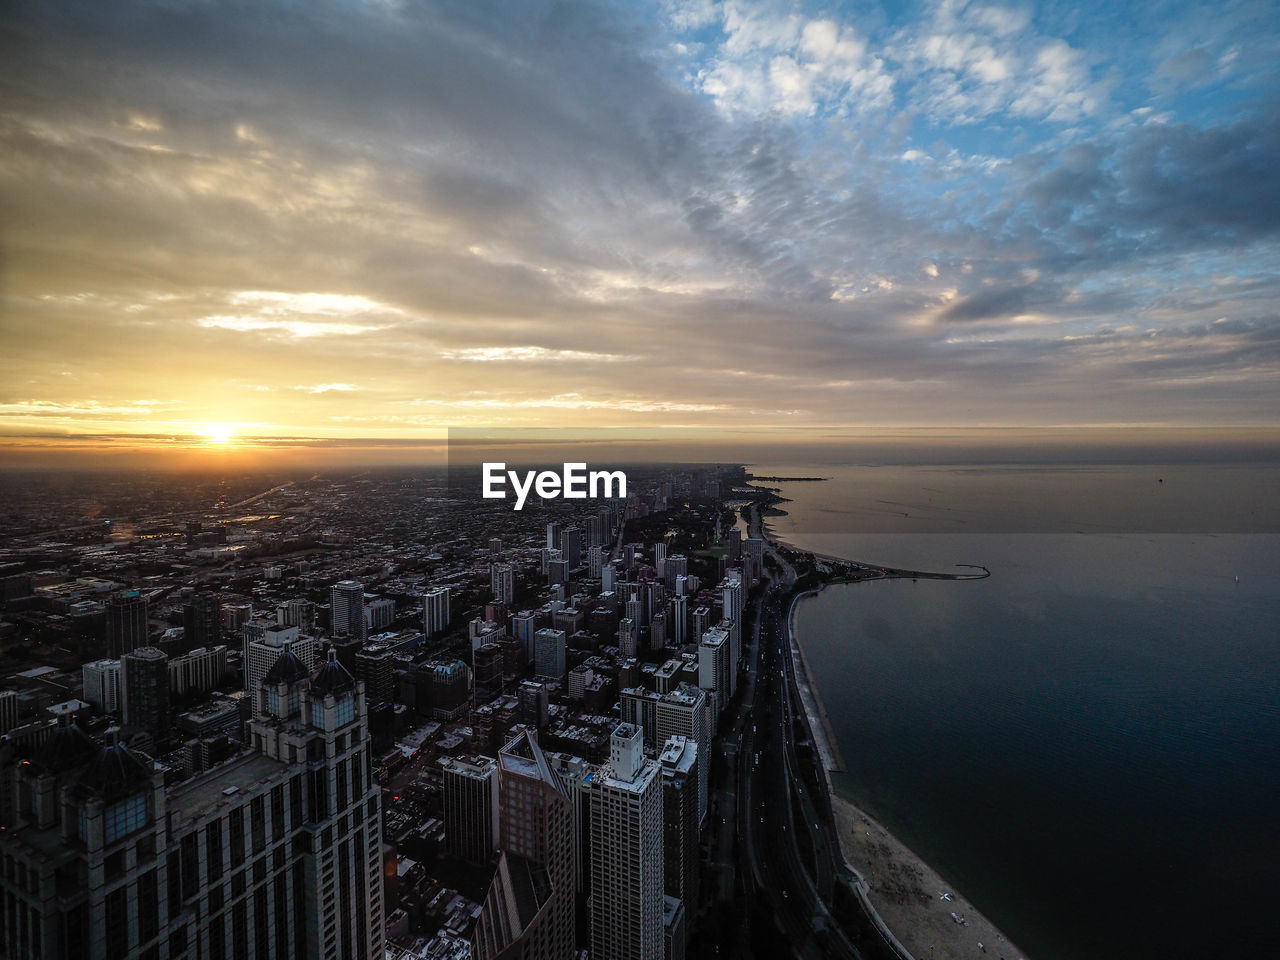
219 433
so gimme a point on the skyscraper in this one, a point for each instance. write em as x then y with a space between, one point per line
626 853
275 853
680 819
144 691
686 712
262 647
126 623
549 654
502 582
471 807
346 609
202 621
435 610
102 684
529 912
714 668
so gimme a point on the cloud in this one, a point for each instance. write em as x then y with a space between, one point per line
698 210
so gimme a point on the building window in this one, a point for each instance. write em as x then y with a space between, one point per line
125 817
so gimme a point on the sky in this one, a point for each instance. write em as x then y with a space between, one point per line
382 219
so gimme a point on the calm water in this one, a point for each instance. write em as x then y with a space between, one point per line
1087 744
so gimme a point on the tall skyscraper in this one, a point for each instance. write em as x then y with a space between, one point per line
202 621
471 807
262 647
126 623
571 546
714 668
435 610
346 609
626 853
502 582
102 684
529 912
553 535
273 853
299 612
486 672
686 712
680 818
144 691
375 666
549 654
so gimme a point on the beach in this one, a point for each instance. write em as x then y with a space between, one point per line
927 915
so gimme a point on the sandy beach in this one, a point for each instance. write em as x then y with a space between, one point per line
915 903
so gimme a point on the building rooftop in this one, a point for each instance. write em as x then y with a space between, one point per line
195 798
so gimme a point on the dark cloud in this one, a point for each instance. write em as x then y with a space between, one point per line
489 175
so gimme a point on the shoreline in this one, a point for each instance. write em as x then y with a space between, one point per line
916 906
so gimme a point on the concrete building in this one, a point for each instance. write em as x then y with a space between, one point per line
681 820
715 668
202 668
685 712
471 807
276 852
435 610
502 582
346 609
626 898
144 691
126 623
263 647
529 912
101 685
549 654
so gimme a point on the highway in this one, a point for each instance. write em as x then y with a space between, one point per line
787 850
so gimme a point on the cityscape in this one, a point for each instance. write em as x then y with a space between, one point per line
314 720
639 479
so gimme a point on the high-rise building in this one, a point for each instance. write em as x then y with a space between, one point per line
733 594
262 647
375 666
626 853
549 654
9 713
202 621
685 712
486 672
102 684
529 912
627 635
714 668
523 626
571 546
471 807
435 610
678 619
200 669
595 561
126 623
346 609
299 612
144 691
379 615
533 703
276 852
680 818
502 582
553 535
